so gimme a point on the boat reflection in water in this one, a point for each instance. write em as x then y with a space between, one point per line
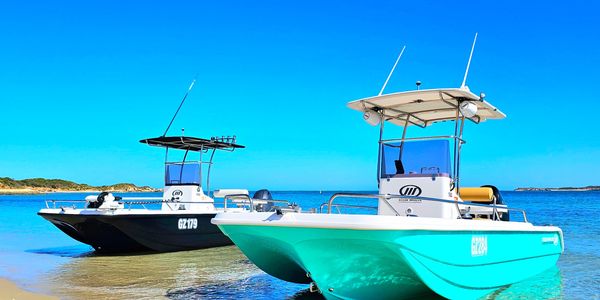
151 275
222 273
216 273
546 285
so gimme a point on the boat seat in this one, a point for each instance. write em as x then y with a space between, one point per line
477 194
399 167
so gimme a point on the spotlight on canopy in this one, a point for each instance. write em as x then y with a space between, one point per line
372 117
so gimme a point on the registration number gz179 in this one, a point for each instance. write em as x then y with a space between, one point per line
187 223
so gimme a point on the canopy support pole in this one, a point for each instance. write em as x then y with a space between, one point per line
208 173
380 154
455 171
459 142
183 164
166 161
403 136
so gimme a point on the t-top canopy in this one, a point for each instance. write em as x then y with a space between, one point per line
192 143
425 107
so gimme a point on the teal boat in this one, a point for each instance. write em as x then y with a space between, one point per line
393 257
421 234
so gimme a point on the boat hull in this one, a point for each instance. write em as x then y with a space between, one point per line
360 263
102 236
164 234
122 233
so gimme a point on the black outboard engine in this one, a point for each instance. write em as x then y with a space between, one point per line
503 216
99 201
263 194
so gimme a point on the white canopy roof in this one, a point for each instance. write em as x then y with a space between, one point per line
424 107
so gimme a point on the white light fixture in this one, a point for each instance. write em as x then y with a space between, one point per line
468 109
372 117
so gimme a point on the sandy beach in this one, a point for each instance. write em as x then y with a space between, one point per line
9 291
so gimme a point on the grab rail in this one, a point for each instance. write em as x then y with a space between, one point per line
125 199
336 195
130 201
387 197
60 201
250 200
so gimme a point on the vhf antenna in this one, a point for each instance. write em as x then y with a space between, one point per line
181 104
392 71
469 63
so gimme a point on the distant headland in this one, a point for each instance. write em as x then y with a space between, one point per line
42 185
560 189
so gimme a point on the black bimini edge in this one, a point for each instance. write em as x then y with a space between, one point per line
193 143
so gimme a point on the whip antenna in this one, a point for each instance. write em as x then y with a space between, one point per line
392 71
469 63
180 104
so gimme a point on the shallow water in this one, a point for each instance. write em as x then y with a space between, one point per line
39 257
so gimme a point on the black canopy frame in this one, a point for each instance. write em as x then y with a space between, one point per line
200 145
189 143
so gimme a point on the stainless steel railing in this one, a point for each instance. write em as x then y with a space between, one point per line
130 202
62 201
248 201
141 200
388 197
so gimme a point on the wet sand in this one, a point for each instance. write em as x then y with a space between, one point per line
9 291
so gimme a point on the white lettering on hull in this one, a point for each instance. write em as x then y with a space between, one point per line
187 223
479 246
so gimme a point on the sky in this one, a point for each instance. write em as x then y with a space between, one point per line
82 82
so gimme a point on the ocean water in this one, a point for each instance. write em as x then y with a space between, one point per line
39 257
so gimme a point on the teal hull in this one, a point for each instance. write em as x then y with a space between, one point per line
396 264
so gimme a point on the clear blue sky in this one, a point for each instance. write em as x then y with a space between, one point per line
82 82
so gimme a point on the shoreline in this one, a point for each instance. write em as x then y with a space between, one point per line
9 290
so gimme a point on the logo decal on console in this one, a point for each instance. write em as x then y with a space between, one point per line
177 193
410 190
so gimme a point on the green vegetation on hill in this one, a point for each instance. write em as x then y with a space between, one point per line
43 183
65 185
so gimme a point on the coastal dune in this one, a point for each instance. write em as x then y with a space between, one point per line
10 291
9 186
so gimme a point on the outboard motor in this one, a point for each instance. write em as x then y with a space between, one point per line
263 194
98 201
499 200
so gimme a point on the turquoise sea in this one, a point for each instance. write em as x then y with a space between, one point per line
39 257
